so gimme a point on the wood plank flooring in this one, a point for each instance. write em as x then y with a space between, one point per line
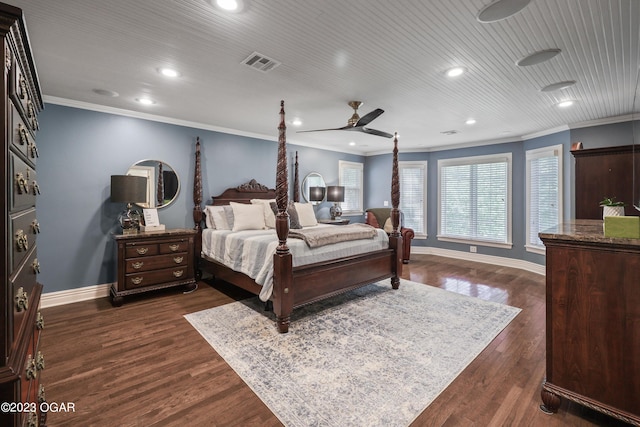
142 364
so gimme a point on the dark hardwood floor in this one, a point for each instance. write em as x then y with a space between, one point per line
142 364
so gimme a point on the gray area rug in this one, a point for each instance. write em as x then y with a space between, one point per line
371 357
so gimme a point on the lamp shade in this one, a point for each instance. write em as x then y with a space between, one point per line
335 193
128 189
316 194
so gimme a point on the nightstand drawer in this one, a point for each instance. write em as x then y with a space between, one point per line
142 279
155 262
140 249
173 247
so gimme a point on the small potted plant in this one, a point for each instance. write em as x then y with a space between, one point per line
612 207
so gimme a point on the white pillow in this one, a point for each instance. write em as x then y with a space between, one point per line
306 215
209 212
247 217
219 218
269 216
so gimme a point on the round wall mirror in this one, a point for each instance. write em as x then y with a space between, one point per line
313 181
163 183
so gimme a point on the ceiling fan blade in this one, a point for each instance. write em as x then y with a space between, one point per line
322 130
376 132
369 117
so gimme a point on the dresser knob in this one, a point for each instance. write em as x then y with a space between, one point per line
142 251
136 280
22 299
178 259
40 321
22 242
178 273
30 370
174 247
137 265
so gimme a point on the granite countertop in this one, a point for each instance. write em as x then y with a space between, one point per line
585 230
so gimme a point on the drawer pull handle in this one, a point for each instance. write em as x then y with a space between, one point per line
137 265
22 84
32 419
31 111
33 149
36 188
35 226
35 265
22 131
41 395
22 299
178 259
178 273
174 247
39 361
40 321
136 280
23 186
30 370
22 242
142 251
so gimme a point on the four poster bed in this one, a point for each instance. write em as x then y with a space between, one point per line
294 280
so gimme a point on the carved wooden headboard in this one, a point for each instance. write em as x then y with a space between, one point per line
244 193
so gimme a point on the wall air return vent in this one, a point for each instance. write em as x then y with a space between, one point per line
259 62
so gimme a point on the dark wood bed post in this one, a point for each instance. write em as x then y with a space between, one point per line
395 239
296 184
197 208
282 259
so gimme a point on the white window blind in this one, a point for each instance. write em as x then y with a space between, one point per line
544 193
475 199
413 189
351 176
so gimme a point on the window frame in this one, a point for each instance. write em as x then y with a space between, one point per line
342 166
555 151
423 165
506 157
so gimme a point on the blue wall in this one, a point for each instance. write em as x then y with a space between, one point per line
81 149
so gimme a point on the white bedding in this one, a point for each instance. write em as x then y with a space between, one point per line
251 251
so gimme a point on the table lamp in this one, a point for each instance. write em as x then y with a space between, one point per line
129 189
316 194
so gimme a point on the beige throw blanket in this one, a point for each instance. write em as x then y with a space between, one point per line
320 236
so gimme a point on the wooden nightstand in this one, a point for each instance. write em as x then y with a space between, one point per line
154 260
334 221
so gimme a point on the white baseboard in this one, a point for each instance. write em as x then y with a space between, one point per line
487 259
52 299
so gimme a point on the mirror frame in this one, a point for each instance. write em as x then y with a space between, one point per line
148 170
307 183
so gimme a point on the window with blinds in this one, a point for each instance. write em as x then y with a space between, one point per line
544 193
351 176
413 195
475 200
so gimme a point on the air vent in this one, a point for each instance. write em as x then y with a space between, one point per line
449 132
259 62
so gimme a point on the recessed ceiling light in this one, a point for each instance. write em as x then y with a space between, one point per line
565 104
106 92
538 57
501 9
146 101
234 6
169 72
558 86
352 143
456 71
470 122
296 122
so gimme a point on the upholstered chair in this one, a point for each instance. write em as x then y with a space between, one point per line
380 218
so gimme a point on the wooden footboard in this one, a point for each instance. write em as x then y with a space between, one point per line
294 287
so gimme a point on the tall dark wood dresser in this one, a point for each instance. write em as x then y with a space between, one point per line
21 360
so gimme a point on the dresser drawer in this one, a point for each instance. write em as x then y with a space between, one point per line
175 246
21 137
24 184
20 94
23 283
142 279
155 262
140 249
23 231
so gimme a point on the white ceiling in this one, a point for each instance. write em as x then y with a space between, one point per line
388 54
